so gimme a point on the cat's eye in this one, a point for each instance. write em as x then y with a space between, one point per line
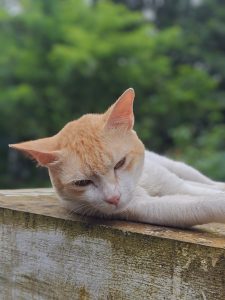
82 182
120 164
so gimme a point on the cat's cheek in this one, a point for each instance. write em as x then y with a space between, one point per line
93 196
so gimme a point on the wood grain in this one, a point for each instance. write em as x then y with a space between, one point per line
46 254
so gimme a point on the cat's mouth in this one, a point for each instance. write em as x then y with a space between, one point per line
110 209
97 208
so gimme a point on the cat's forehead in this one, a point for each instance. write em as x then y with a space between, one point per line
92 123
86 140
83 133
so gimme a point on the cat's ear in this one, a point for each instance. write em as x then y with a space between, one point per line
42 150
120 114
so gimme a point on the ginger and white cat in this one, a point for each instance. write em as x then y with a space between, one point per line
98 166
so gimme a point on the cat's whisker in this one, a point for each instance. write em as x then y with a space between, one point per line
74 211
67 218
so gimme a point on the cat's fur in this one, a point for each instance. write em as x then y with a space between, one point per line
146 187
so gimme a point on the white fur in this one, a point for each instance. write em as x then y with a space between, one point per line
165 192
175 194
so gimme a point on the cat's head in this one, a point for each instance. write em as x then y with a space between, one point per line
95 161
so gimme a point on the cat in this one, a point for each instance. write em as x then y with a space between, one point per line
99 167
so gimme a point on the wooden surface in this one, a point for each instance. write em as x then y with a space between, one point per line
45 253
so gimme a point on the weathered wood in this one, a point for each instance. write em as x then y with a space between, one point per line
47 254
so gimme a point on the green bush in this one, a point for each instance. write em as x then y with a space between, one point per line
61 59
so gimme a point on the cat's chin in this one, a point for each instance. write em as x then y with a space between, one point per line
112 210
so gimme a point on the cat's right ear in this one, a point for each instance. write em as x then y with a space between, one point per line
120 115
43 151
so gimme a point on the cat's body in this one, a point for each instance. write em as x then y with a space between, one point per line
162 176
99 167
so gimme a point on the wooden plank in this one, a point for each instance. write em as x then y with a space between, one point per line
46 254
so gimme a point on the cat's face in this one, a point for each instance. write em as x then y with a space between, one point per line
94 162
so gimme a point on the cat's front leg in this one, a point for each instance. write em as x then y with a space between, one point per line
175 210
219 187
183 170
159 181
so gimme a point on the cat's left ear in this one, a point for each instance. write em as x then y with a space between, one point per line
42 150
120 114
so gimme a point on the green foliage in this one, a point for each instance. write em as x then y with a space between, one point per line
61 59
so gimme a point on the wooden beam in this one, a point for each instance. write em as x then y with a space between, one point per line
45 253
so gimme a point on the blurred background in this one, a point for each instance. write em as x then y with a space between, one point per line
61 59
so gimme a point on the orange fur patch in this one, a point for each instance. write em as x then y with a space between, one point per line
85 138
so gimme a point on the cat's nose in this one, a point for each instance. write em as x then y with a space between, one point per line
113 200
